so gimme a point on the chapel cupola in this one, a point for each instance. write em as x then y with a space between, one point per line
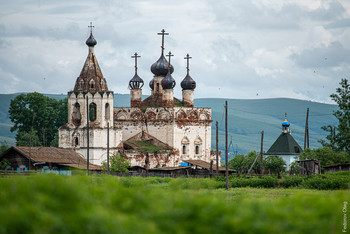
168 83
160 69
188 85
135 86
285 125
161 66
91 78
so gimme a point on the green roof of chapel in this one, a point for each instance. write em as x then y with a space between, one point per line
284 145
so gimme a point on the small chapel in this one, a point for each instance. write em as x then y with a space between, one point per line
159 131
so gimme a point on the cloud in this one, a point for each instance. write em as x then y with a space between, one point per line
333 55
238 48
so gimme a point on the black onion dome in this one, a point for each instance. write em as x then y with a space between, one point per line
160 68
188 83
91 41
151 84
136 82
168 82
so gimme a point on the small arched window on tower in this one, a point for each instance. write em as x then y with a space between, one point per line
76 142
92 84
92 111
76 115
107 111
157 87
185 143
81 84
198 146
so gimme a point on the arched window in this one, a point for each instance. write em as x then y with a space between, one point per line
92 111
81 84
197 149
92 84
107 111
198 145
76 141
185 143
76 115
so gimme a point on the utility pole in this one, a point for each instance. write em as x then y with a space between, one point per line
306 138
217 148
261 152
108 147
88 134
226 153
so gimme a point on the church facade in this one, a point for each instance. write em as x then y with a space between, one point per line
179 130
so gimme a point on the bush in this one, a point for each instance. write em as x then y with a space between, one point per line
325 183
291 181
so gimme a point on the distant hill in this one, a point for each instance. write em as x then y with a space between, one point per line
246 119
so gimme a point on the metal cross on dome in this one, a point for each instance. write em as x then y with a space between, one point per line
188 62
91 26
163 33
135 56
169 55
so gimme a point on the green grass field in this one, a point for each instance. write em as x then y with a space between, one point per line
109 204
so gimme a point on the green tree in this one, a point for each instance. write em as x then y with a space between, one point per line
117 163
28 138
274 164
326 156
4 163
339 137
242 163
3 147
34 112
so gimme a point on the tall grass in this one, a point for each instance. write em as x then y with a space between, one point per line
107 204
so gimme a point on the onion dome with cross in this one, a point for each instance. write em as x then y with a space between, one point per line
160 68
188 83
285 122
168 81
91 42
136 82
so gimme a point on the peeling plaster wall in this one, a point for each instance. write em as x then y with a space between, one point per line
98 128
162 158
97 142
169 125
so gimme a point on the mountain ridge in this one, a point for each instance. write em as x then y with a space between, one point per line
246 119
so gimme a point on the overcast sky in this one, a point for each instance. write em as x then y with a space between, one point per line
240 49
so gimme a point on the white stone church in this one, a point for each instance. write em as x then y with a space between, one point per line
181 131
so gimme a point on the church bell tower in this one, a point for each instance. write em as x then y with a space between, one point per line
91 103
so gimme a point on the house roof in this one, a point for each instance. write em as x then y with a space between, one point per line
64 157
284 145
205 165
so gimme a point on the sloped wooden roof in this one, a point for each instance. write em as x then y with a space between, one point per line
284 145
65 157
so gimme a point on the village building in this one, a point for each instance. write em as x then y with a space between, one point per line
179 130
24 158
285 145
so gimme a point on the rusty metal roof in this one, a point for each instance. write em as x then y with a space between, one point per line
205 165
66 157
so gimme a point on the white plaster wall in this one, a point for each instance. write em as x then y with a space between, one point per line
100 101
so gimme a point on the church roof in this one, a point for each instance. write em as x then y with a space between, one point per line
284 145
155 100
91 78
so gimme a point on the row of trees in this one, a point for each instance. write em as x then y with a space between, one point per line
36 119
241 163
